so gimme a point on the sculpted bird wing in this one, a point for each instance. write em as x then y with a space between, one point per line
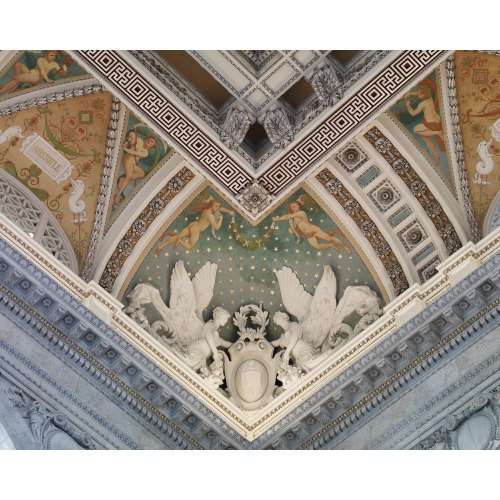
295 298
181 288
354 297
323 306
187 325
203 286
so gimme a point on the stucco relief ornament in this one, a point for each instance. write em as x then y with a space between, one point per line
76 204
255 198
183 328
235 127
327 85
250 367
319 327
278 127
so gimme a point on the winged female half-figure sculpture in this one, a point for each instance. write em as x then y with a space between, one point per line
187 333
319 317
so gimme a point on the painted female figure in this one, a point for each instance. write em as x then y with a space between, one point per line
210 216
300 225
431 122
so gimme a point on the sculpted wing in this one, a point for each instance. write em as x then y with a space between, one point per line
355 297
203 286
322 309
181 288
144 293
187 325
295 298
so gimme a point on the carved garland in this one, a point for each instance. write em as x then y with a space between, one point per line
418 188
106 172
59 96
368 227
459 150
139 227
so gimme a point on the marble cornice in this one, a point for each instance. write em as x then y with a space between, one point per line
28 276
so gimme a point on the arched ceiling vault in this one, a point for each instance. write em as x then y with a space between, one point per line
343 137
141 100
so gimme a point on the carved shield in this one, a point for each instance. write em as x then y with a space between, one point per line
251 380
251 373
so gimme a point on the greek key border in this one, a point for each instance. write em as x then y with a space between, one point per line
124 78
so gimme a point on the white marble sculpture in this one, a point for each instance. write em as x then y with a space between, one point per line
251 368
189 336
319 327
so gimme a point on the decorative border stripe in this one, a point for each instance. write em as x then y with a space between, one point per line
101 199
459 150
120 74
140 225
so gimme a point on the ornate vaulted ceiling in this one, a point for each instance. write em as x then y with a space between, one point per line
391 156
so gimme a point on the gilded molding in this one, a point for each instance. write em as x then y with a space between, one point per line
78 353
404 375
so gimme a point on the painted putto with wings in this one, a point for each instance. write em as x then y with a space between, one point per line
182 326
319 326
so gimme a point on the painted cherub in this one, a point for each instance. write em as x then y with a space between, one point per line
135 149
44 67
431 121
301 227
210 216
